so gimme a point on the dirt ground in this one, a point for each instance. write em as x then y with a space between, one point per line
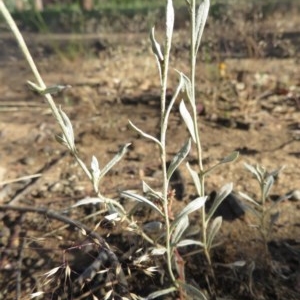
247 103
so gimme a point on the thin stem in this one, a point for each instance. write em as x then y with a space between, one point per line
163 154
11 23
193 60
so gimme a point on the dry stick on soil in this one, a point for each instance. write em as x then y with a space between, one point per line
106 252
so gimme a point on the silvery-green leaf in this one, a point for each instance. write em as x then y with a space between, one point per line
113 217
68 130
34 87
89 200
188 90
201 18
186 116
180 229
95 165
191 207
213 230
156 49
248 198
115 160
158 251
141 199
224 192
195 177
268 185
153 227
236 264
149 191
156 46
187 242
276 172
254 171
192 292
96 200
36 294
161 293
179 87
169 23
60 139
54 89
178 158
230 158
95 173
145 135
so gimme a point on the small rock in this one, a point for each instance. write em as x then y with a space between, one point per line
294 195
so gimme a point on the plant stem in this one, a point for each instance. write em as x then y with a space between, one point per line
193 60
163 154
39 79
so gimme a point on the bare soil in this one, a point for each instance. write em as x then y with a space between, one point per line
250 103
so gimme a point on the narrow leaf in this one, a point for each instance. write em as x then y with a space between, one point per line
145 135
179 87
141 199
254 171
178 158
195 178
161 293
95 173
88 200
186 116
224 192
54 89
187 242
156 49
169 23
95 165
34 87
187 89
61 140
149 191
201 18
268 185
158 251
230 158
214 229
36 294
191 207
179 230
115 160
153 227
69 130
248 198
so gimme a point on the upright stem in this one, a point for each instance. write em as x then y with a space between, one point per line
163 157
193 60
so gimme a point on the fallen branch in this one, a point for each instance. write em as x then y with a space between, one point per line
105 254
